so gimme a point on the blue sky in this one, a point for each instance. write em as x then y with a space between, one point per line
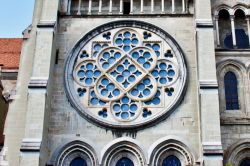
15 16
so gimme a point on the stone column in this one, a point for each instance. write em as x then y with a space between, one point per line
233 30
100 7
173 6
248 27
152 6
33 151
121 7
162 7
90 6
209 113
110 7
216 18
79 7
183 6
142 4
131 6
69 7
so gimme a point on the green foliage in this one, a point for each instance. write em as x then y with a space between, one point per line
228 164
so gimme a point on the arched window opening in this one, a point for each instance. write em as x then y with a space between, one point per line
74 7
78 162
171 161
225 33
242 40
245 162
231 91
124 161
126 7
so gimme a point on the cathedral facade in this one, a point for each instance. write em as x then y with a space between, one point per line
132 83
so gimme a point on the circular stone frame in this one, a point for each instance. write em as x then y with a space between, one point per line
70 63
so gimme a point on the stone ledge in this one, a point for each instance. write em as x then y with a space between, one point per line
38 83
204 23
208 84
212 149
46 24
30 145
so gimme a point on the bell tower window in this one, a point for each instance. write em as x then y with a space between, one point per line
126 8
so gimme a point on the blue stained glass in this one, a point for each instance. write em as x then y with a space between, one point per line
94 101
125 73
118 41
155 73
125 100
97 47
116 107
131 78
111 87
120 78
135 41
125 107
171 73
156 47
126 41
231 91
89 74
156 100
141 60
105 65
127 34
106 55
97 73
104 92
132 68
146 55
111 60
88 81
126 48
116 92
163 73
146 92
135 92
163 80
117 55
90 66
163 66
133 107
171 161
81 73
78 162
105 81
146 65
120 68
135 55
124 115
146 81
124 161
141 86
157 53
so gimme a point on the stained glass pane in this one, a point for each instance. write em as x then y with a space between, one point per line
231 91
125 162
171 161
78 162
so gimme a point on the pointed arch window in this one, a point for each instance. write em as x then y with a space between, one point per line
171 161
78 162
231 91
124 161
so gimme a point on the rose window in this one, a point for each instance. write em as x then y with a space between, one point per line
125 76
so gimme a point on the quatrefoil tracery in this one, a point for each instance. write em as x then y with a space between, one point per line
125 74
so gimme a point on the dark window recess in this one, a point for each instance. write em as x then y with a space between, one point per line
245 162
242 40
171 161
57 56
126 7
78 162
124 162
231 91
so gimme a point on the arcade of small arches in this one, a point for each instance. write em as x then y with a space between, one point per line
232 27
123 152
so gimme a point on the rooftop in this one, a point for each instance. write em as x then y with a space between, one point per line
10 50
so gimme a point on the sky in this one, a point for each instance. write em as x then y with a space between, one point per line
15 16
